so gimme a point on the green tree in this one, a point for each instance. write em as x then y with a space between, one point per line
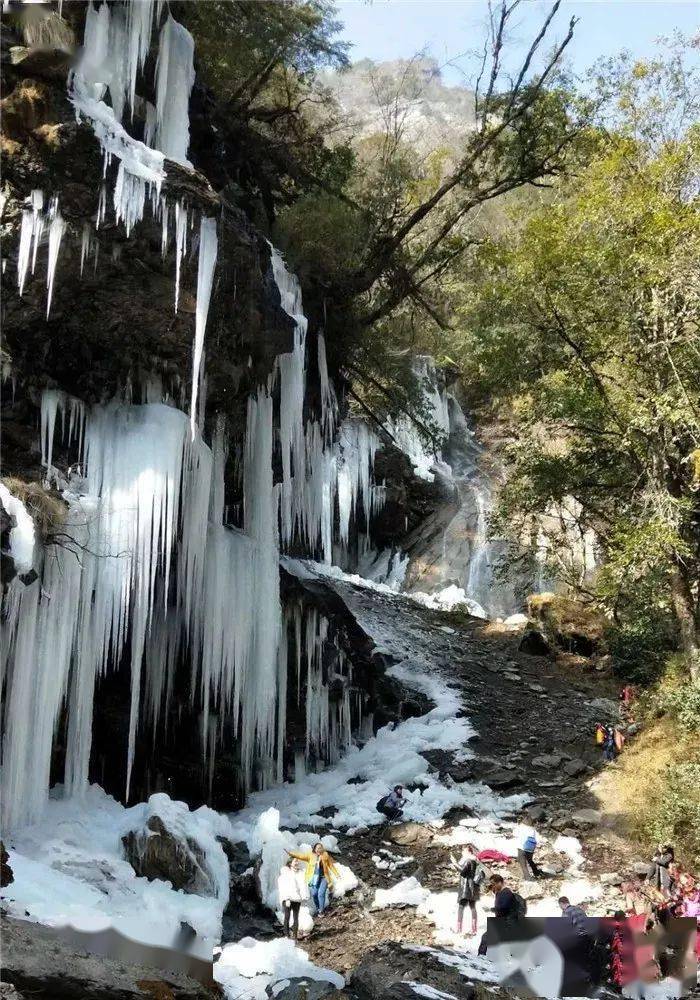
584 323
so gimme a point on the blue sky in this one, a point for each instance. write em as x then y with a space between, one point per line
391 29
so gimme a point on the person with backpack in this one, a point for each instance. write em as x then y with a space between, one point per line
609 744
321 872
526 858
509 907
392 804
471 876
291 889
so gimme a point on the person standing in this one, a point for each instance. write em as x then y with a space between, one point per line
526 855
292 890
471 876
609 745
321 872
659 870
508 907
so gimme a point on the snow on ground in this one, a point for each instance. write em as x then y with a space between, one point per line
422 990
22 535
248 967
69 868
407 892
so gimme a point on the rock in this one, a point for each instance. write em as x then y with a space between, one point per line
606 706
633 729
536 813
537 688
574 767
640 867
385 972
502 779
447 630
531 890
534 644
408 833
611 878
587 817
547 760
515 621
6 874
156 853
40 962
304 989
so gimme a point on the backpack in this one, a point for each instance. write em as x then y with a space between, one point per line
382 802
599 734
619 740
520 907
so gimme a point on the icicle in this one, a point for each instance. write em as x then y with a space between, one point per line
30 236
180 245
56 232
174 82
329 403
208 246
84 246
164 212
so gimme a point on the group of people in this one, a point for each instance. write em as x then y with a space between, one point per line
306 874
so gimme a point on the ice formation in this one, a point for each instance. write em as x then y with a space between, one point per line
22 534
174 82
208 246
406 433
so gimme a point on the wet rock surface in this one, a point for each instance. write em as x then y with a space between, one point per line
156 853
37 963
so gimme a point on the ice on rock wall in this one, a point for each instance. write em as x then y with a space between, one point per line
208 246
174 82
22 534
108 590
405 432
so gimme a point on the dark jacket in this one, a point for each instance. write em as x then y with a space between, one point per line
471 876
578 918
505 905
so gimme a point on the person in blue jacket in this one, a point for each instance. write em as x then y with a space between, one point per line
526 859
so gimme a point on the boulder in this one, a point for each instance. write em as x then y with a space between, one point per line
408 833
537 688
300 988
547 760
587 817
501 779
154 852
6 874
534 644
574 767
385 972
611 878
531 890
536 813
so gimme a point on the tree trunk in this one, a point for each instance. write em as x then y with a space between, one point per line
684 607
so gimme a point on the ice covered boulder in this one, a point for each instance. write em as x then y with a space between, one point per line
301 988
178 846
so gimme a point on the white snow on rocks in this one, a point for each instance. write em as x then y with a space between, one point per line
22 534
248 968
408 892
69 868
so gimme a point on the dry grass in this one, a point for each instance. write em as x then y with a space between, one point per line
566 616
636 791
46 509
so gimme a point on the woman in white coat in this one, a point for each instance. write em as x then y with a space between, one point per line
291 888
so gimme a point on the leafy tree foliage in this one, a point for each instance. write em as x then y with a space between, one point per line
585 323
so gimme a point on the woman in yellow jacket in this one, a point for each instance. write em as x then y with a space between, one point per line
321 872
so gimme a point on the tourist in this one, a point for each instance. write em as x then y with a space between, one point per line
321 873
392 804
508 906
291 888
526 853
471 876
659 874
609 744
